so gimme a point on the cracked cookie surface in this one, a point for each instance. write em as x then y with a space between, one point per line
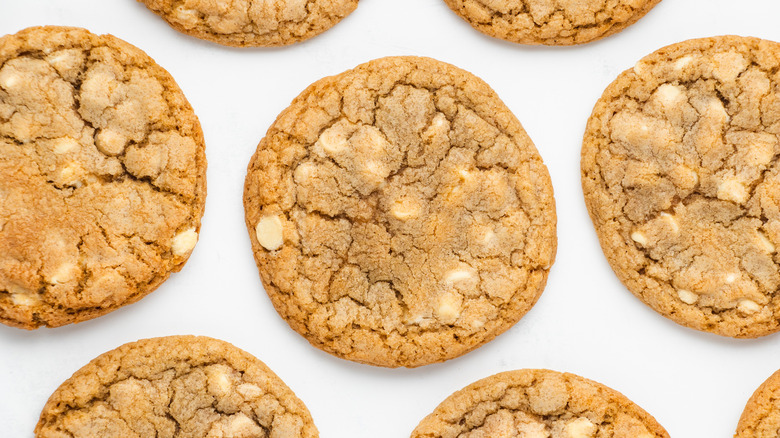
399 214
538 404
681 178
102 176
250 23
551 22
176 386
761 417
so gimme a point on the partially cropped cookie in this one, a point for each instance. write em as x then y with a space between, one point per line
538 404
102 176
551 22
681 177
761 417
251 23
177 386
399 214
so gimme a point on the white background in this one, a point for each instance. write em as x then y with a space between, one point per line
586 322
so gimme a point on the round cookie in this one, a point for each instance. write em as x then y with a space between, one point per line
551 22
252 23
539 404
399 214
681 177
761 417
102 176
175 386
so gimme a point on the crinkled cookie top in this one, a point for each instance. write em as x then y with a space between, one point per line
551 22
245 23
399 214
538 404
102 176
681 177
178 386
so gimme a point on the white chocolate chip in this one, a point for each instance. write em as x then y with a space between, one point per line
748 307
187 17
269 231
70 175
65 273
765 243
439 121
219 381
64 144
639 68
249 391
683 62
304 172
715 108
8 79
110 142
458 275
404 210
488 237
639 238
26 300
732 190
464 174
579 428
333 140
731 277
184 242
241 425
449 307
687 296
669 94
672 221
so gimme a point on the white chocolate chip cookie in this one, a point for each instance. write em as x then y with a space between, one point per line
102 176
681 177
399 214
538 404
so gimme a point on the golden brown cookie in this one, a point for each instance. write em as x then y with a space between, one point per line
681 178
102 176
399 214
177 386
538 404
252 23
761 417
551 22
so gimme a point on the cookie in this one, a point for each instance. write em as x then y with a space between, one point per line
680 174
761 417
399 214
538 404
252 23
177 386
102 176
551 22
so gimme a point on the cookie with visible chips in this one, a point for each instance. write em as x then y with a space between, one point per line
681 178
399 214
102 176
175 386
551 22
252 23
538 404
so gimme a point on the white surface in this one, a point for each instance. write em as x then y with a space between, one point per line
586 322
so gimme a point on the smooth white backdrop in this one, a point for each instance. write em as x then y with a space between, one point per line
586 322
